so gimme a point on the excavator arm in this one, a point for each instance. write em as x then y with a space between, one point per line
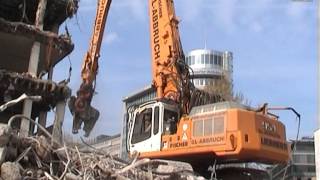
169 71
80 106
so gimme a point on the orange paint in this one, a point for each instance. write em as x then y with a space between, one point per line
243 139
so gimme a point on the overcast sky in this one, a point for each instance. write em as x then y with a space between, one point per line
273 44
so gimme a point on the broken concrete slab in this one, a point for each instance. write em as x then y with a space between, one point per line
10 171
20 11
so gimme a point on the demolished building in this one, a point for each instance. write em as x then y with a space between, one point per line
30 48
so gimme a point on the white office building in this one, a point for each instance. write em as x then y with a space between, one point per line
208 66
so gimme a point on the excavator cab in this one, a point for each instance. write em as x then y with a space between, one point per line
148 123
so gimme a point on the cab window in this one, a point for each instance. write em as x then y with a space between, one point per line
170 121
142 126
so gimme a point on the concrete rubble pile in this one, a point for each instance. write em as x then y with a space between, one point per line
37 157
30 48
42 157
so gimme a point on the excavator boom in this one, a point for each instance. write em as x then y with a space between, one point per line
80 106
170 73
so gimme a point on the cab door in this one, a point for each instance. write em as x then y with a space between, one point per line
145 135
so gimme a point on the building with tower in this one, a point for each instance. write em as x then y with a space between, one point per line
209 66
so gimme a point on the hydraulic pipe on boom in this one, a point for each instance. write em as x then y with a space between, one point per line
170 73
80 106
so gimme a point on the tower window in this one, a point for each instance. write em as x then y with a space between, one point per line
220 61
215 59
202 58
211 58
207 58
192 59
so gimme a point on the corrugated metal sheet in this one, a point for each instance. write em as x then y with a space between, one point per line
140 97
210 108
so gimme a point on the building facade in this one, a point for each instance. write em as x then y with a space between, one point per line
302 166
107 144
209 66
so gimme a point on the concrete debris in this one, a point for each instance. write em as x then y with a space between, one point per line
15 84
10 171
56 11
42 157
38 159
19 38
31 32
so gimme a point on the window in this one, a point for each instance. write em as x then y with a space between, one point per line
170 121
142 126
202 58
192 61
211 58
198 60
201 82
215 59
219 60
310 159
207 58
156 120
211 61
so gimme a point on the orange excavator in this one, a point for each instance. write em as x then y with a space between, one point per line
189 125
80 106
182 123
